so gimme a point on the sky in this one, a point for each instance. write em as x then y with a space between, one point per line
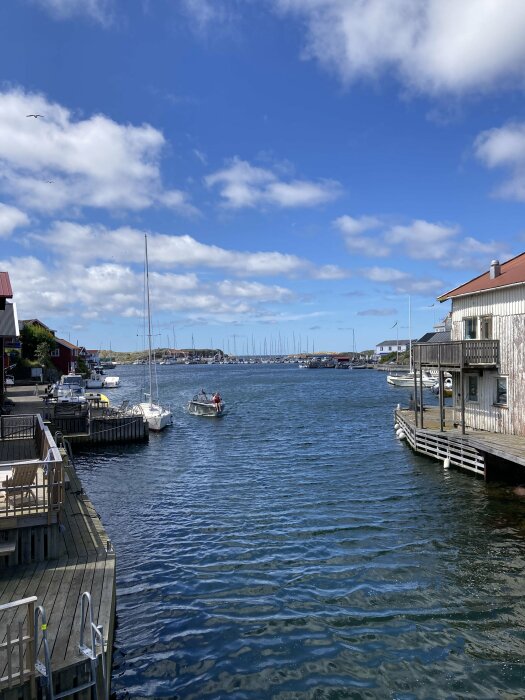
304 170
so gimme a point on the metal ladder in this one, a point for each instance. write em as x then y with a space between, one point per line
96 637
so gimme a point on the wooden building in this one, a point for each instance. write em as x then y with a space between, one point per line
8 323
486 351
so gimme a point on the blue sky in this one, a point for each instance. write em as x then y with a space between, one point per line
301 167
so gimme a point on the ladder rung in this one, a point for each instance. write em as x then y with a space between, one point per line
72 691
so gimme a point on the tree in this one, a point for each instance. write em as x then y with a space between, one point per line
43 353
32 336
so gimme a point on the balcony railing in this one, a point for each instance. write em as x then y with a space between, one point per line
31 468
460 354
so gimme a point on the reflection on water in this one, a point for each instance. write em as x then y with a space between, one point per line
296 549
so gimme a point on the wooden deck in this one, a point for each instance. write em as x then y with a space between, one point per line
468 451
84 564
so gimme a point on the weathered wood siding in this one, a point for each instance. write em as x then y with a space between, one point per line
507 309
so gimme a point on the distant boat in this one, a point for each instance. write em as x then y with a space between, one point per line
156 416
111 382
209 407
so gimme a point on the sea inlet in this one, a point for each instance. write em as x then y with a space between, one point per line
295 549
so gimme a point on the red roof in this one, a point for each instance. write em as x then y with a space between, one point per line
5 286
512 272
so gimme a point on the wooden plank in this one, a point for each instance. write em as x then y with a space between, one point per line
86 585
70 603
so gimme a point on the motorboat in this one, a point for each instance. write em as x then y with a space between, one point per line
203 405
407 380
111 382
447 387
95 380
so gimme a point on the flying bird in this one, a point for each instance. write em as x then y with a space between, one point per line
34 115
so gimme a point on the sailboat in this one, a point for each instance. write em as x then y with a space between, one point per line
157 416
409 380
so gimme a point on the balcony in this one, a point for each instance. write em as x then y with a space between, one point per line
457 355
31 470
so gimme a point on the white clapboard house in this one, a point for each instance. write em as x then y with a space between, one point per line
486 351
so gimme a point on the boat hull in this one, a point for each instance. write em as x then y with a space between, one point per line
156 416
206 409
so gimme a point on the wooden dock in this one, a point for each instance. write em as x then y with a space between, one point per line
52 565
491 455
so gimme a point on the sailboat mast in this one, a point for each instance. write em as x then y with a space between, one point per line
149 322
410 333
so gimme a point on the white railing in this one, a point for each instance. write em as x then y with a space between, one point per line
17 658
441 447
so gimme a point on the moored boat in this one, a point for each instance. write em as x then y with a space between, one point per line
408 380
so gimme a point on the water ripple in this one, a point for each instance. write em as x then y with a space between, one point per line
295 549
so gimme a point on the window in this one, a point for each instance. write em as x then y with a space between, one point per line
471 328
472 387
485 327
501 391
55 352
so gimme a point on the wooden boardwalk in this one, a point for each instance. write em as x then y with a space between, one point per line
469 451
84 564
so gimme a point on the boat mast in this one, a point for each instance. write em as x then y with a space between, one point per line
149 322
410 334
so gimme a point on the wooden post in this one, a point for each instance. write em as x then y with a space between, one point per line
421 393
416 355
441 392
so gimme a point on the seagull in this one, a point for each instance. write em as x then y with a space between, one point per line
34 115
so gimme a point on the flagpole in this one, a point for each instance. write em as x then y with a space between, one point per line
397 343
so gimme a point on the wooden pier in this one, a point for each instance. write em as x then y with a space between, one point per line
53 549
491 455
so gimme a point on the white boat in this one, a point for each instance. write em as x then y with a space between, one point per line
447 387
95 380
156 416
408 380
111 382
209 407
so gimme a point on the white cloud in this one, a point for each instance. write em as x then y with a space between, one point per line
98 10
383 274
244 185
378 312
353 231
57 162
423 240
11 218
505 147
254 290
437 46
85 243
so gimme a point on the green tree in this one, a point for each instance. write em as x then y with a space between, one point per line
43 353
32 336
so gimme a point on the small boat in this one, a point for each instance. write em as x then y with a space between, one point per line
210 407
156 416
95 380
111 382
407 380
447 387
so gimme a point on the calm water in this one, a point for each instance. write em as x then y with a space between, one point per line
295 549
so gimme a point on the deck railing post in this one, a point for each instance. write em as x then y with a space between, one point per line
417 358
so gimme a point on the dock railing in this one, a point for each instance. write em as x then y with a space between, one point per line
29 486
17 661
459 354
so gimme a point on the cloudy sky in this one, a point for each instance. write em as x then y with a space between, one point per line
300 167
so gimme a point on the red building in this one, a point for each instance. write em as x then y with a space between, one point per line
65 356
8 323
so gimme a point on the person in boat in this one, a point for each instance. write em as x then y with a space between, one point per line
203 396
216 398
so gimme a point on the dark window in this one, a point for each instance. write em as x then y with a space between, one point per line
501 390
471 328
472 387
